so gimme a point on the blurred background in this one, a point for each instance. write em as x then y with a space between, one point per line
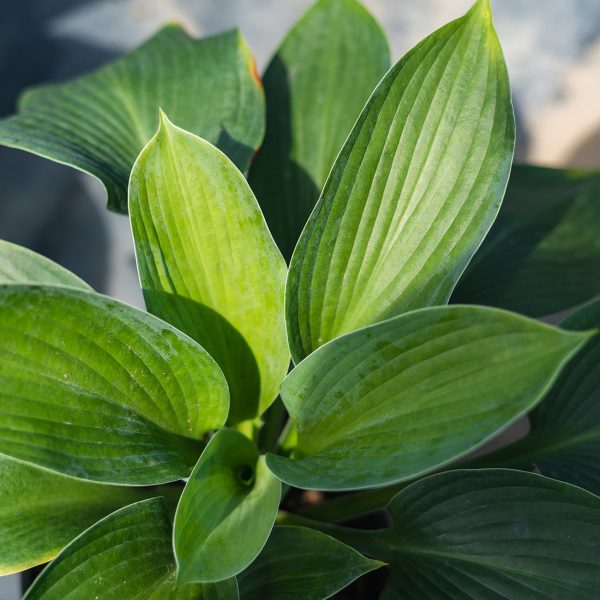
552 48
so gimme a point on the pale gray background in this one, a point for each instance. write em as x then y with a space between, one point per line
552 49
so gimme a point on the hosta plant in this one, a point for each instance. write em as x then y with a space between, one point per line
178 453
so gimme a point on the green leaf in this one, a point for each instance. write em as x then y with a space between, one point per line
492 534
302 564
41 512
20 265
413 192
226 511
564 440
100 122
127 555
399 398
98 390
312 103
542 255
208 263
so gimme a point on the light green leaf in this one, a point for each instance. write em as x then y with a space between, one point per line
312 103
100 122
564 440
41 512
20 265
302 564
413 192
399 398
98 390
542 255
492 534
127 555
226 511
208 263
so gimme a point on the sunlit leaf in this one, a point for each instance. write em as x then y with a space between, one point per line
100 122
564 441
98 390
302 564
543 253
413 192
20 265
208 263
315 86
41 512
226 511
492 534
128 555
399 398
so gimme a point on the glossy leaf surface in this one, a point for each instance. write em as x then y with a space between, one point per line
208 263
21 265
312 103
42 512
100 122
542 255
127 555
413 192
226 511
564 441
399 398
302 564
492 534
98 390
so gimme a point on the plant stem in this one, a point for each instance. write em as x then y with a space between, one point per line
365 541
349 506
271 429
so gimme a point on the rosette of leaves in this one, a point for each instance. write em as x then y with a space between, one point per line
150 454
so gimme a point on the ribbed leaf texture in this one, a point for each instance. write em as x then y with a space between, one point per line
98 390
315 87
490 534
208 263
127 555
413 192
399 398
100 122
542 255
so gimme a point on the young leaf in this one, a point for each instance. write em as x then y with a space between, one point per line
492 534
543 253
302 564
20 265
564 441
399 398
41 512
208 263
413 192
127 555
226 511
312 104
100 122
98 390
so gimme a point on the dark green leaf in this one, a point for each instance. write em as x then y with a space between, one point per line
96 389
399 398
100 122
543 253
302 564
20 265
41 512
492 534
208 263
126 556
226 511
413 192
316 85
564 441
